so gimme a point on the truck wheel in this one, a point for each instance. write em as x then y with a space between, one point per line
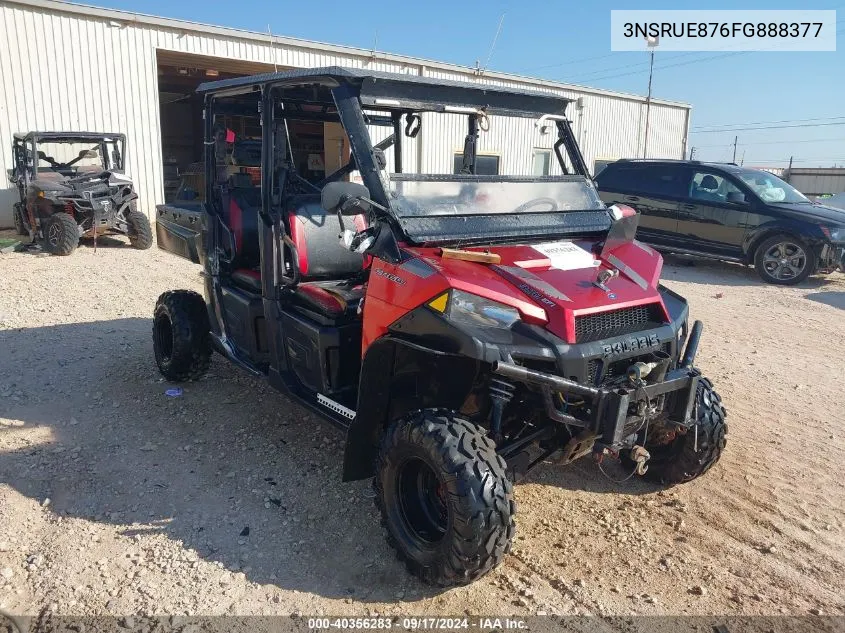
684 458
61 234
19 227
784 260
444 496
181 339
140 232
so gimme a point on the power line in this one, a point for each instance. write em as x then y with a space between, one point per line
612 68
590 77
820 140
660 67
799 160
701 127
615 53
767 127
571 61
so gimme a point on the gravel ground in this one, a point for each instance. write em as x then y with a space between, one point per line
116 499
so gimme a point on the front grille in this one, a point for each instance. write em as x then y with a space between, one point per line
592 327
601 370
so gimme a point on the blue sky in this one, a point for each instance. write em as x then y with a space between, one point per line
570 42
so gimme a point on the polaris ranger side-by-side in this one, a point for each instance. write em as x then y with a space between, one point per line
461 328
72 185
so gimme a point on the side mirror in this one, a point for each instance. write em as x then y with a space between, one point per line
736 197
345 198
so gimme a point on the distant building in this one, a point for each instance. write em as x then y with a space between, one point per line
812 181
72 67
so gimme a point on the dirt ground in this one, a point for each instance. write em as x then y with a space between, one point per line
117 499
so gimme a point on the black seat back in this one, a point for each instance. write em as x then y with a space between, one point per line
316 235
244 204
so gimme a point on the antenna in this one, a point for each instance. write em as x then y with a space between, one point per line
375 46
273 48
493 45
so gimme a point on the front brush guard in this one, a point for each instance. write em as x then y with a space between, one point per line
611 406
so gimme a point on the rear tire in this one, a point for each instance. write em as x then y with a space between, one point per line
784 260
19 227
181 337
686 458
139 230
444 496
61 234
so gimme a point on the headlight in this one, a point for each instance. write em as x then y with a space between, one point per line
470 309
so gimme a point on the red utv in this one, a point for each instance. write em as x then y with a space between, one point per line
461 328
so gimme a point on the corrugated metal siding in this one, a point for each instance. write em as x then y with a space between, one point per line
818 181
65 70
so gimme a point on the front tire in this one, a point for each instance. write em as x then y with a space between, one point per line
61 234
181 336
139 230
444 496
784 260
687 456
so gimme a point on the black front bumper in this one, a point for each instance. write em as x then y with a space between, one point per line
613 417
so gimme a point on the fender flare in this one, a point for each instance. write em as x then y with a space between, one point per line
375 401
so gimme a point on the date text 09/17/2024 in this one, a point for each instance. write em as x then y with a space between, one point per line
418 623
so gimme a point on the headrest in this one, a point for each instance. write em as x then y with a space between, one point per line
709 182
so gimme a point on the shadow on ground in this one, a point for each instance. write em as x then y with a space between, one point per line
830 298
231 468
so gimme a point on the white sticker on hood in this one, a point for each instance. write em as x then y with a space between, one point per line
566 255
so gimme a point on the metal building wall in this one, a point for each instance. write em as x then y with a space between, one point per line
817 181
76 68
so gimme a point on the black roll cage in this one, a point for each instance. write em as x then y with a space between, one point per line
20 141
357 99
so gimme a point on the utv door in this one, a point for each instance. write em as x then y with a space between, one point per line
181 229
712 218
654 190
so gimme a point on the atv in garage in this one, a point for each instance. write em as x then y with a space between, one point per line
461 328
71 185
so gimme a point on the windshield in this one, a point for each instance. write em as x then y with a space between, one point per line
458 195
770 188
78 155
58 154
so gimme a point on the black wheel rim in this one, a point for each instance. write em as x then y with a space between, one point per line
422 501
54 234
784 260
164 337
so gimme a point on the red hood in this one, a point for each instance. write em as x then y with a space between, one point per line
553 283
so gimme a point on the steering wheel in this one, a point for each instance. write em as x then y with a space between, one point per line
536 202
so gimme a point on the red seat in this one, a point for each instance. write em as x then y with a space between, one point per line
329 298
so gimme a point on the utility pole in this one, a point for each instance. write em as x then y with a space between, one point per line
651 42
789 170
691 153
736 138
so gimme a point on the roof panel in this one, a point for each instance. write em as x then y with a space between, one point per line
442 91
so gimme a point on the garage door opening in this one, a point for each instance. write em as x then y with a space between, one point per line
179 75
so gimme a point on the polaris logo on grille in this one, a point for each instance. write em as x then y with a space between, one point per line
631 345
